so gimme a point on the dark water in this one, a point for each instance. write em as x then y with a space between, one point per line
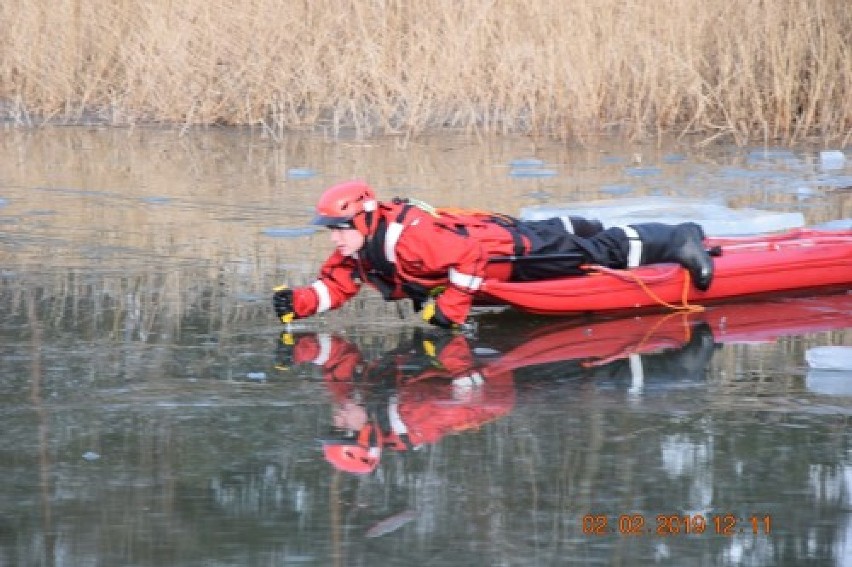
153 414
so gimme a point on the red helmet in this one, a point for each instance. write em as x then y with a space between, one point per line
341 203
355 455
353 459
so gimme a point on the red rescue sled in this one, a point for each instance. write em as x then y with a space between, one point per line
800 259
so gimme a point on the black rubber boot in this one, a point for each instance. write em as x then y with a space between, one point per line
584 227
682 243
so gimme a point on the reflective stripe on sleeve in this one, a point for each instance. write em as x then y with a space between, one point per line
634 250
466 387
324 340
474 379
466 281
323 296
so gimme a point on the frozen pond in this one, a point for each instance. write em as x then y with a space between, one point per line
154 414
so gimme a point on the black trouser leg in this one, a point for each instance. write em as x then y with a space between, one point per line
616 247
582 227
606 247
561 226
682 244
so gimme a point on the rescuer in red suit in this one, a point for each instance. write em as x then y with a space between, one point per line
406 249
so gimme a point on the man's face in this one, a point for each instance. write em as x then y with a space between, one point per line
350 415
347 240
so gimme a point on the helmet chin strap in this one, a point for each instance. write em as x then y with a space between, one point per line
366 223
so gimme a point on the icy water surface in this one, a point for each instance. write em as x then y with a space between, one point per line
154 414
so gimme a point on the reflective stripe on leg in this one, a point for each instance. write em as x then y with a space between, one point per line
637 374
634 250
569 226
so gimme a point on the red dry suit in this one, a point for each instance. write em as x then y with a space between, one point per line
413 253
414 396
456 396
427 411
339 360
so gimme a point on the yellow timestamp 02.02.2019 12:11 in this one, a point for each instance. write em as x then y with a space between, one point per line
727 524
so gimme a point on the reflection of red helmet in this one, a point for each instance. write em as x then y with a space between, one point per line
353 459
359 456
341 203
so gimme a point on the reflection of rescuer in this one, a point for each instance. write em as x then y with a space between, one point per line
406 249
429 388
410 397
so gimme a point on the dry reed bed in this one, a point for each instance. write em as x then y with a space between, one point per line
746 70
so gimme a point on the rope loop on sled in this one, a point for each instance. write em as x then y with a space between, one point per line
629 275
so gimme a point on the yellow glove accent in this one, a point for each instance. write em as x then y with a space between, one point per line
437 290
428 312
287 339
429 349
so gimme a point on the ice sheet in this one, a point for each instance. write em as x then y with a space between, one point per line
716 218
830 358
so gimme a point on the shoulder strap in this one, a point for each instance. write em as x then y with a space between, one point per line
380 249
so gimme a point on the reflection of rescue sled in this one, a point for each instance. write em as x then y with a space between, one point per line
748 266
603 341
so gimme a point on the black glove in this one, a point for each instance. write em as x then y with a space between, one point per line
432 314
285 352
282 302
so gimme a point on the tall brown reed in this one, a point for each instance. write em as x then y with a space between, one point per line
762 69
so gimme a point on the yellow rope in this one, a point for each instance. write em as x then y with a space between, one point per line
464 212
685 306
